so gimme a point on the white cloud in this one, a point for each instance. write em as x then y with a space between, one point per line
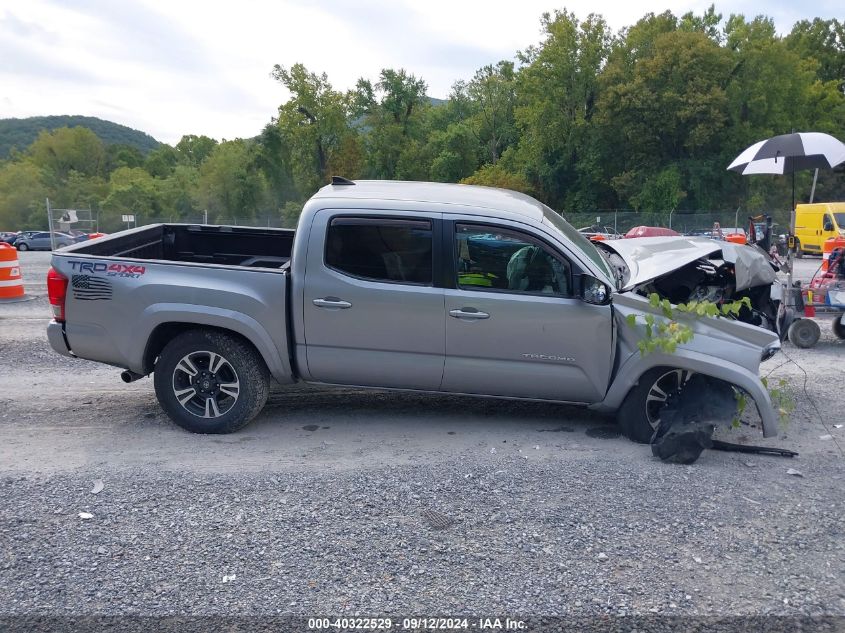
200 67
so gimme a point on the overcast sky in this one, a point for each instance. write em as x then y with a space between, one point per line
203 67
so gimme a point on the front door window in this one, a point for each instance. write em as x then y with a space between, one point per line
496 259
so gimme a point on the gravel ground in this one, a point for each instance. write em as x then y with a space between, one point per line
341 502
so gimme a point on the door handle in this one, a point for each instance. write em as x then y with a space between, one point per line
332 302
468 313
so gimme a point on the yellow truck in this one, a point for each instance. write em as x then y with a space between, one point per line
816 223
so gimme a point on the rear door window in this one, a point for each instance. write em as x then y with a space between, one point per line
381 249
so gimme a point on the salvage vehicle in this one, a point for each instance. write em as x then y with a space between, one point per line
683 269
388 285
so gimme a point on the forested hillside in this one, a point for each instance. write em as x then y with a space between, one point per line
585 120
21 133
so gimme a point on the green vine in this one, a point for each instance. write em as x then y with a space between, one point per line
782 401
665 334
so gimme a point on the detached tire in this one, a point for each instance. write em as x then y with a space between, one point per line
639 415
210 382
804 333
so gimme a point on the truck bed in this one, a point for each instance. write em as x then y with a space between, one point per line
196 243
130 293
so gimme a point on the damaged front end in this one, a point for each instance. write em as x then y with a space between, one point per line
684 269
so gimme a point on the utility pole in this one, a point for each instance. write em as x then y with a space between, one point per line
813 190
50 226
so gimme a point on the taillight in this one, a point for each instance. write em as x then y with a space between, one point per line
57 291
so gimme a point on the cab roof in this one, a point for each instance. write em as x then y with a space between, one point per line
482 198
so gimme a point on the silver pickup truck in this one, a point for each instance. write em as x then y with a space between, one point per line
390 285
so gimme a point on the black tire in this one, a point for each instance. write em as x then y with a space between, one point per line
838 327
239 384
638 416
804 333
799 254
23 247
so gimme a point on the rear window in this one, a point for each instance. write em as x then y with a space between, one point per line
381 249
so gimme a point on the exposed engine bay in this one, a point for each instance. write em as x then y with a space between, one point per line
692 269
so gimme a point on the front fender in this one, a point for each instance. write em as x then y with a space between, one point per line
629 374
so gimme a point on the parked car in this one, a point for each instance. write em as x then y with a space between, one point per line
41 241
82 236
699 233
413 286
650 231
14 237
5 236
720 233
598 233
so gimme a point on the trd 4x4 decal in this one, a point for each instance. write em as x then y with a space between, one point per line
131 271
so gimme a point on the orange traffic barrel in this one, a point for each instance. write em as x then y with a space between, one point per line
11 285
829 246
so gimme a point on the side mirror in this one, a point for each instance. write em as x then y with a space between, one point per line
595 291
828 225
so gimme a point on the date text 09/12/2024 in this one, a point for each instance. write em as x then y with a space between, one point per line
417 624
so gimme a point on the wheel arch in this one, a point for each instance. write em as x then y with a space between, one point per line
630 373
166 332
164 323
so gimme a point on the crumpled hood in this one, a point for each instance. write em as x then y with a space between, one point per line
648 258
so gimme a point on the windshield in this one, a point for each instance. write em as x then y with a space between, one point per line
578 240
840 220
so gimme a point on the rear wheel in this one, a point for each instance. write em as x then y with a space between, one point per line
839 327
639 415
210 382
804 333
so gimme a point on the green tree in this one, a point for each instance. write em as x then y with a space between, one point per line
230 184
823 41
273 158
497 176
131 191
392 118
313 123
557 90
177 193
22 196
671 110
67 149
195 149
493 91
162 161
122 156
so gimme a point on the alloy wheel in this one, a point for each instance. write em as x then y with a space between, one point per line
660 391
205 384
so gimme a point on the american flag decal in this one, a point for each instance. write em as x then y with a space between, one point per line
88 288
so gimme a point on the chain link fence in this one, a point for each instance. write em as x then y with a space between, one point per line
112 225
611 221
604 221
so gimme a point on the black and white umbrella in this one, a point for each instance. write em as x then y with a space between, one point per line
788 153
